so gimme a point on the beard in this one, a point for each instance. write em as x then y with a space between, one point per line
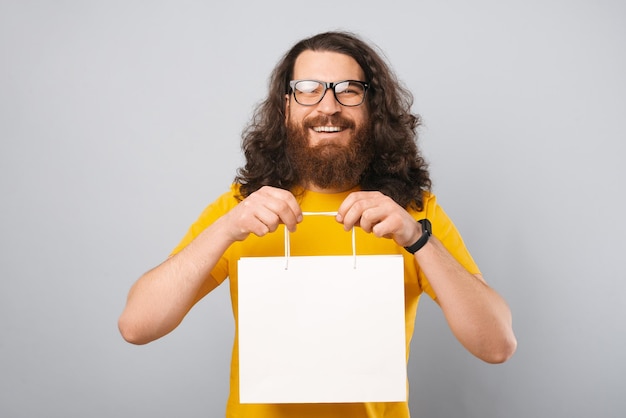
329 165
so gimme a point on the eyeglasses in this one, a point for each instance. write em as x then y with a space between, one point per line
311 92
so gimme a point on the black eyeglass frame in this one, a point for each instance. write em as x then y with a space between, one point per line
329 85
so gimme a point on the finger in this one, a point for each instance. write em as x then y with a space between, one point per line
285 206
347 204
398 225
380 219
385 227
282 203
355 205
350 210
268 218
370 218
245 220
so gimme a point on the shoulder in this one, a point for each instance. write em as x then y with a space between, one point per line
226 200
220 206
429 206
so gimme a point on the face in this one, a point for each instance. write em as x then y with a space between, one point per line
318 119
328 143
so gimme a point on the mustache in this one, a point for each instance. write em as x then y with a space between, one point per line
334 120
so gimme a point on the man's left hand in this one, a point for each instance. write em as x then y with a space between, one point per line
377 213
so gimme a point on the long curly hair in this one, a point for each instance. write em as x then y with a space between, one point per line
397 169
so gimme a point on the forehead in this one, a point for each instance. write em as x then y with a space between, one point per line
327 66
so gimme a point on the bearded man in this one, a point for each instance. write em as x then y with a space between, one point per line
336 133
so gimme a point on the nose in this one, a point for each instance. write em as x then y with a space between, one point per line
329 104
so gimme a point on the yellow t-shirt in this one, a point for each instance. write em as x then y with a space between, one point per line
317 235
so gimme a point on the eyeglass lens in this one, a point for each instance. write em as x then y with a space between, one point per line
311 92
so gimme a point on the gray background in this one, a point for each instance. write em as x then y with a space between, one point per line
120 121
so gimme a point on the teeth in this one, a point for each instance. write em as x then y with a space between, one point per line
327 129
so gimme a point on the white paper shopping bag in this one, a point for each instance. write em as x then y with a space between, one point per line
321 329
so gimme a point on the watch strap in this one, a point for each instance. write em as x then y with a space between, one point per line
427 231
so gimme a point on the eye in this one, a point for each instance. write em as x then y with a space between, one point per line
308 86
347 88
343 87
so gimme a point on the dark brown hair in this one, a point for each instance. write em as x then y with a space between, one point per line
397 170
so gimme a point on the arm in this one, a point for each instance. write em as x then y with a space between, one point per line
478 317
161 298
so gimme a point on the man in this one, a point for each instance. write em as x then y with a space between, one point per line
335 134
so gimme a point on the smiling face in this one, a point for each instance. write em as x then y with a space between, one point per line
328 143
327 121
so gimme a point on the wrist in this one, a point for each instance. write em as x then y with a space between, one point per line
423 239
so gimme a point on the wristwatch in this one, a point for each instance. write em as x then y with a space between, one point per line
427 231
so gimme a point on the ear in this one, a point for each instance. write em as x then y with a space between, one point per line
287 102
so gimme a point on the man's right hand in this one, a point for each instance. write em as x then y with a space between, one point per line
262 212
160 299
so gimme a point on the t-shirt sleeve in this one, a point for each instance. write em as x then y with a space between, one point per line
209 215
445 230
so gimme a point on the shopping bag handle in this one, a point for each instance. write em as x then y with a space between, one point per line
288 244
